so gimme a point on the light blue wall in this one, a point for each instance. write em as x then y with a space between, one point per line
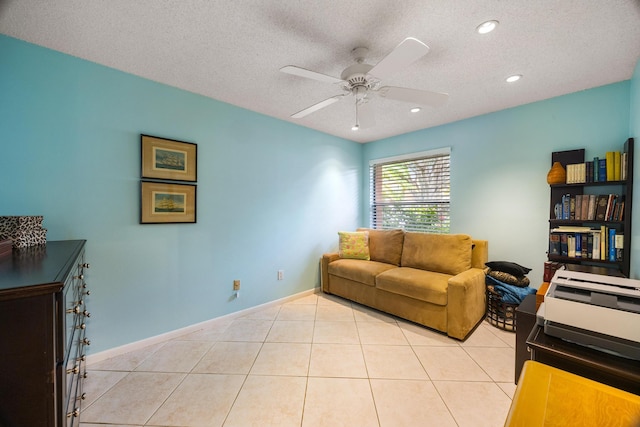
271 195
499 164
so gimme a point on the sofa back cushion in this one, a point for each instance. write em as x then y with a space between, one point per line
385 245
442 253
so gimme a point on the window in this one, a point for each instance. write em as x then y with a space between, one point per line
411 192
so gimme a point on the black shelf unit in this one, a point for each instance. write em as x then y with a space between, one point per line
623 188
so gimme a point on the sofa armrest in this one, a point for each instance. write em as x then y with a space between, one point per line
324 268
466 302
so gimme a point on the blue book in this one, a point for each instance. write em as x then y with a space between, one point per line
578 245
612 244
602 170
564 245
596 169
566 206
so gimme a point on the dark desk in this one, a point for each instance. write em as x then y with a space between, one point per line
599 366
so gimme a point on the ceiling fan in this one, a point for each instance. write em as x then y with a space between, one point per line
362 80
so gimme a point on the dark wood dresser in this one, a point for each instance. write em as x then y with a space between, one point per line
43 334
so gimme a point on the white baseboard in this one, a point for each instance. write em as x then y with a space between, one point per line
117 351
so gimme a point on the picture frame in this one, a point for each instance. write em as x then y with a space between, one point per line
168 159
167 203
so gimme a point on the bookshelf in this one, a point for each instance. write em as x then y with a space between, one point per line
613 224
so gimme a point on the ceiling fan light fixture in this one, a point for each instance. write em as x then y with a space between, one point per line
487 27
514 78
415 109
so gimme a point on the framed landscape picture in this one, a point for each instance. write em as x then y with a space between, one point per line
164 203
168 159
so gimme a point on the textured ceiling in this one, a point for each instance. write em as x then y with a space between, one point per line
232 50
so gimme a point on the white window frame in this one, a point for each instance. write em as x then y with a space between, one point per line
387 214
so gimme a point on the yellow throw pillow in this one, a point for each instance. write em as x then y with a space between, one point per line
354 244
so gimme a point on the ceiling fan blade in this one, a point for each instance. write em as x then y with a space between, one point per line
316 107
301 72
366 118
414 96
405 54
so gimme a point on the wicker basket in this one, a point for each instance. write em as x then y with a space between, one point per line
500 314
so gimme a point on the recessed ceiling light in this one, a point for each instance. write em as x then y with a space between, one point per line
415 109
514 78
355 127
486 27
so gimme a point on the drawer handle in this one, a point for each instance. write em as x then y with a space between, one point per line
86 293
75 413
86 341
82 326
86 313
79 276
75 310
85 265
84 375
83 396
74 370
82 358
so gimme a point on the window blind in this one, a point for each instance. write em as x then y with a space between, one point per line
411 193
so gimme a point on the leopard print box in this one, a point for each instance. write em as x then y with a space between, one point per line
23 231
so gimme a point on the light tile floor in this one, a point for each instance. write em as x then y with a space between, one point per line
316 361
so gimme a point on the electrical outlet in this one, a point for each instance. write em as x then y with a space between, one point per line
280 274
236 285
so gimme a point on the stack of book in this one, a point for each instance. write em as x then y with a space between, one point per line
592 207
612 168
604 244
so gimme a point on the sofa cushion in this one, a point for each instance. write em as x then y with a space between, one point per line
440 253
353 245
358 270
385 245
414 283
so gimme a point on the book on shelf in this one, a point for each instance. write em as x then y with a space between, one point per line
611 203
566 203
619 245
603 242
571 244
585 243
564 245
572 207
609 158
595 254
592 207
602 170
611 168
601 207
554 244
612 244
584 214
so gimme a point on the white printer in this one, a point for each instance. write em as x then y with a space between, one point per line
594 310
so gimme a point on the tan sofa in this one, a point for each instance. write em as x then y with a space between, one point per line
436 280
